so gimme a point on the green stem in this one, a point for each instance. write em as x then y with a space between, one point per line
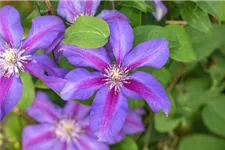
149 131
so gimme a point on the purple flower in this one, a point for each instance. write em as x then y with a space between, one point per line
17 54
72 9
115 80
161 10
60 128
68 128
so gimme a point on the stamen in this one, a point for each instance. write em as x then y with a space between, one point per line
11 60
116 76
68 130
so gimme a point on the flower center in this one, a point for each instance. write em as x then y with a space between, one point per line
116 76
11 60
67 130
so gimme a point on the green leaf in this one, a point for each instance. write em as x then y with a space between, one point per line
179 42
205 44
215 8
133 15
136 103
163 123
184 52
40 85
28 91
87 32
141 5
127 144
33 15
213 116
201 142
196 17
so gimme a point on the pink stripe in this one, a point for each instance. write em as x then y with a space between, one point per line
40 138
37 37
112 100
45 109
5 85
140 88
97 62
140 61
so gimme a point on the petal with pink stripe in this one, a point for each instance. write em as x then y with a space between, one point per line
108 113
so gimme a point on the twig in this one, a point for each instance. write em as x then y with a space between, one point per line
180 22
112 4
149 130
176 78
49 5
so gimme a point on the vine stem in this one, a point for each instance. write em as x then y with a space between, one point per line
112 4
49 5
149 131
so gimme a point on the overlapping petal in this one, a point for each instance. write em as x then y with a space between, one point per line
81 84
121 43
2 44
43 32
85 142
112 15
133 123
10 94
153 53
89 7
11 29
64 146
108 113
38 137
69 9
76 110
53 78
150 89
95 58
43 110
161 10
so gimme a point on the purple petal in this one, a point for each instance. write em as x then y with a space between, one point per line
55 43
151 90
153 53
161 10
10 94
43 110
89 7
49 65
108 113
121 39
38 137
69 9
133 123
64 146
120 136
11 29
81 84
95 58
112 15
76 110
85 142
54 79
43 32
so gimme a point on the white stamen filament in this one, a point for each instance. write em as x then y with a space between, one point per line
116 76
11 60
68 130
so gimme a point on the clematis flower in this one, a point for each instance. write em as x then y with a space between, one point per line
18 55
115 80
68 128
161 10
